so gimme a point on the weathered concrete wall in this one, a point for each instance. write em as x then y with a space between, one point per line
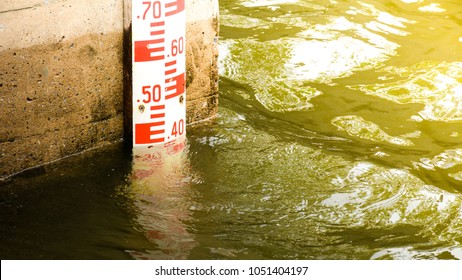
61 77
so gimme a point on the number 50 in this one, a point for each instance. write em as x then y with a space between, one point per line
152 96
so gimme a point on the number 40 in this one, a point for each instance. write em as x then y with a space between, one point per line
178 128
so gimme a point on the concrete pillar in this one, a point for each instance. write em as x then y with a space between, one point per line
62 77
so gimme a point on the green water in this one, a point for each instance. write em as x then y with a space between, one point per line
339 136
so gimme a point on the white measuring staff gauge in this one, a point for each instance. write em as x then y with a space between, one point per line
159 63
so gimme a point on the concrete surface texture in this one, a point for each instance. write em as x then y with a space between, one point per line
61 76
201 59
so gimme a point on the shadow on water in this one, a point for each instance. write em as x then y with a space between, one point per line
106 204
71 210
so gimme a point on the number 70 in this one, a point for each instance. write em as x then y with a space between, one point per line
156 9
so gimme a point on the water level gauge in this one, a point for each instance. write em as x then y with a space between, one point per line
159 62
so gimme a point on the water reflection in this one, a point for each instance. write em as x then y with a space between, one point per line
358 127
339 133
158 188
432 8
436 85
311 64
279 69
